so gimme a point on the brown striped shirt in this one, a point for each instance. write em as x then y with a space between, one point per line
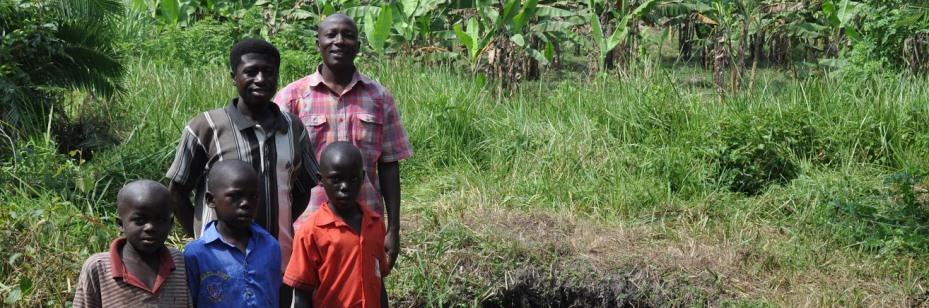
105 283
281 154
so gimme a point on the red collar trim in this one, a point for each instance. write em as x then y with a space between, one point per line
119 271
328 217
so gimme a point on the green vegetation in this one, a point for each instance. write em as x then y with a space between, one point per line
645 184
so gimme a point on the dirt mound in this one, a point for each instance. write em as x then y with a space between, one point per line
534 288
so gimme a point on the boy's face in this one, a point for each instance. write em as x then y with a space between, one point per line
256 78
342 181
235 199
146 223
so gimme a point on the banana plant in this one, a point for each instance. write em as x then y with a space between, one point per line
510 22
416 18
377 30
840 15
606 44
473 39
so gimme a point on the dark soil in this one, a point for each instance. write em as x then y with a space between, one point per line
531 288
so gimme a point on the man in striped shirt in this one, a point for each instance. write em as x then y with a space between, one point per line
250 128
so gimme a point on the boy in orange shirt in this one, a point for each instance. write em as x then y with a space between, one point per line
338 255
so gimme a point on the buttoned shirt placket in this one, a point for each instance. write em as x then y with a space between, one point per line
343 112
250 299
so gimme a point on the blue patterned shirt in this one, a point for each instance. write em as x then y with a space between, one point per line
220 275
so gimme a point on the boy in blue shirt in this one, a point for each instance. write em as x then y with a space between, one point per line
235 263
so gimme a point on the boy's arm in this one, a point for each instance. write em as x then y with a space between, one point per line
193 276
87 294
303 298
302 275
384 303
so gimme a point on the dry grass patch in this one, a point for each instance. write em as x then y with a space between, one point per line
582 261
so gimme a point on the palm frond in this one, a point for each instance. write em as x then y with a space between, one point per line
96 36
82 67
89 11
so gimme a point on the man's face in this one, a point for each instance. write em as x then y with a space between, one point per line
337 41
256 78
146 224
342 181
235 200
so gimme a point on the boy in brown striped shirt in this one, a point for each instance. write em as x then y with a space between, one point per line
139 270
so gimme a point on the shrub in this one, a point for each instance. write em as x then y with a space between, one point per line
891 220
52 218
48 45
759 148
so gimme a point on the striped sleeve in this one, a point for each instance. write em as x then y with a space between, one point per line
191 156
87 293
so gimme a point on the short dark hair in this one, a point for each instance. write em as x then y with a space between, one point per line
248 46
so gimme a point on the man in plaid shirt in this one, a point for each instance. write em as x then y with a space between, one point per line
337 103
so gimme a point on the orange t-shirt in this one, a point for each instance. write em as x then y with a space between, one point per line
342 267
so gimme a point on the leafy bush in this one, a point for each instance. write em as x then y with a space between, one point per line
892 220
205 43
49 44
760 148
53 218
296 64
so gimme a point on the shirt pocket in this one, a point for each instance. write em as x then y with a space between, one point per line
368 129
317 126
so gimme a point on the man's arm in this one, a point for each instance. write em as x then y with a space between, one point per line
190 159
389 176
183 208
306 176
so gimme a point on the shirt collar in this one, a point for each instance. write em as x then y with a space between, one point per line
211 234
326 216
316 79
118 268
241 122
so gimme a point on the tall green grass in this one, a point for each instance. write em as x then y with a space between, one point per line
799 175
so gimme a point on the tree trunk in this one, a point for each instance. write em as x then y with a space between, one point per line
757 55
916 53
739 66
684 39
758 47
720 61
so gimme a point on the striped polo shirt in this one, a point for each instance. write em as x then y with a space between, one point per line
105 282
282 154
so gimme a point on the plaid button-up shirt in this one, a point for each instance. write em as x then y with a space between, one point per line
364 114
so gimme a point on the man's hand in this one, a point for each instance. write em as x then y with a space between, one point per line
392 247
183 208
